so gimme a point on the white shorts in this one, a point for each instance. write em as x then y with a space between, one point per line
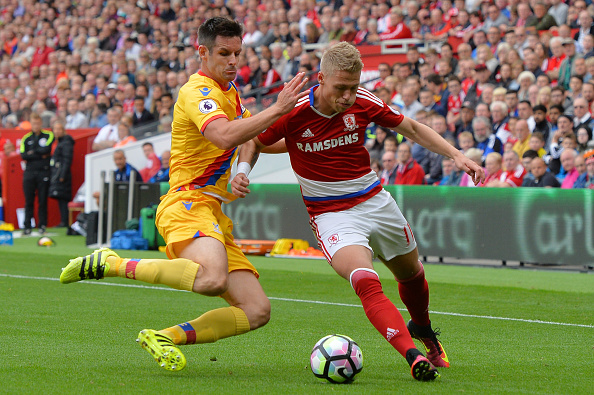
377 224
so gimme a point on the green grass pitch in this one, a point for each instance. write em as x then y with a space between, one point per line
500 327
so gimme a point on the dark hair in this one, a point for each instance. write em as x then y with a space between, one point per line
539 107
435 79
217 26
138 97
558 107
530 154
145 144
568 117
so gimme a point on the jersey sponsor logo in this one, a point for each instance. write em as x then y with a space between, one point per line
307 133
42 142
187 205
328 144
350 123
205 91
334 239
207 106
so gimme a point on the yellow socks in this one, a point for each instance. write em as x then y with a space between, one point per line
210 327
177 273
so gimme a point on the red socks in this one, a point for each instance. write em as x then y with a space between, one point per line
380 311
414 293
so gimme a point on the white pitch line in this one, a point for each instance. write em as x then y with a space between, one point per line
488 317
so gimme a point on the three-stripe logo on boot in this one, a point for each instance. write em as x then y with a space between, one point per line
391 333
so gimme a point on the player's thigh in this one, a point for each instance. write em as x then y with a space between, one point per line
338 230
210 253
350 258
245 292
392 236
191 230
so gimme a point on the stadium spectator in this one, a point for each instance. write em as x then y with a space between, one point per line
495 18
493 167
375 146
522 136
141 115
75 118
163 173
486 141
537 144
580 165
410 105
124 135
153 163
581 114
542 20
389 165
408 172
465 141
525 113
567 66
542 178
500 117
586 180
513 173
483 75
584 139
569 174
108 135
36 148
558 10
396 28
466 117
476 155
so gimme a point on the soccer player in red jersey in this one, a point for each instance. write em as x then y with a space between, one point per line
351 214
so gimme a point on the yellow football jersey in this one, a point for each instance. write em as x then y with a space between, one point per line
196 163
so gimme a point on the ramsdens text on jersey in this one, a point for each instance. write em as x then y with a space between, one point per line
330 143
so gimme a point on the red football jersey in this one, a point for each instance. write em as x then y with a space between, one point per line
328 154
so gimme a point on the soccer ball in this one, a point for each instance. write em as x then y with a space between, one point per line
336 358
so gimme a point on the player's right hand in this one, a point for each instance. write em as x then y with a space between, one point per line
291 93
239 185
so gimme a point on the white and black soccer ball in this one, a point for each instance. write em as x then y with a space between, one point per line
336 358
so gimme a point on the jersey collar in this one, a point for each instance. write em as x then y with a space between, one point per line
200 72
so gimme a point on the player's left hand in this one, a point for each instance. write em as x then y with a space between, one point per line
239 185
476 173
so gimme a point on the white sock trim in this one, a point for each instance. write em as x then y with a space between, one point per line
364 269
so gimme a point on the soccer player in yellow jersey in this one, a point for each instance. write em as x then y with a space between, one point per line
209 123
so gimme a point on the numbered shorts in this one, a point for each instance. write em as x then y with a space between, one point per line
377 224
187 215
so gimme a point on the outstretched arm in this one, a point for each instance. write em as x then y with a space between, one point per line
428 138
227 134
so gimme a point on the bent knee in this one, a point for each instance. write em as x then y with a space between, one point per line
259 315
212 286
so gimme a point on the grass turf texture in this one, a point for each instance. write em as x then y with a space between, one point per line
79 338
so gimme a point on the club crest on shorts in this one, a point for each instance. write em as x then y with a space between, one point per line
207 106
216 228
350 123
334 239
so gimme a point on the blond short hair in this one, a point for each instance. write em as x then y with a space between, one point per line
341 57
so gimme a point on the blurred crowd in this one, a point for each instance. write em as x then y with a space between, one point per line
502 77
